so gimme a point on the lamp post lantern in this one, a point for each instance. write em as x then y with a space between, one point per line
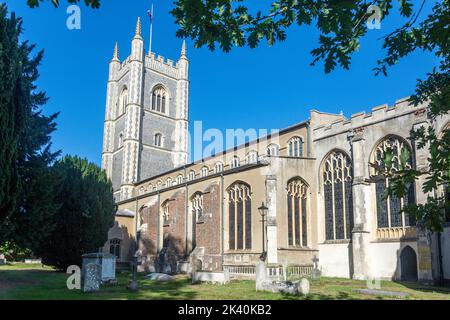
263 212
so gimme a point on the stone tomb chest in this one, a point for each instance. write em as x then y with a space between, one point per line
106 261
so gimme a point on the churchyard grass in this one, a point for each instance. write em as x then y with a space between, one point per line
35 282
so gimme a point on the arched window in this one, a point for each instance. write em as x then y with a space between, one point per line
389 211
114 247
337 191
192 175
218 167
150 187
205 171
297 213
252 157
159 99
197 212
159 185
158 140
180 179
295 147
273 150
239 217
235 162
123 101
169 182
166 213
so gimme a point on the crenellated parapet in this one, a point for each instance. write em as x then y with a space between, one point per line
362 119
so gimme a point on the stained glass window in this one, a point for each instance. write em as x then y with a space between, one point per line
297 213
240 217
389 210
337 191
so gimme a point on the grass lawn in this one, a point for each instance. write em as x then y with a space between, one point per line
34 282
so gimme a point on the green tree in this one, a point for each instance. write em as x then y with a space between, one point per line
86 213
26 195
90 3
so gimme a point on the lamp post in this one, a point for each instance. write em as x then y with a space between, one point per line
263 212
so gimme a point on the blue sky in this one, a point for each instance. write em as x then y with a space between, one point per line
267 88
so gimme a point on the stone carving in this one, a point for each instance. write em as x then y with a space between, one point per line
91 277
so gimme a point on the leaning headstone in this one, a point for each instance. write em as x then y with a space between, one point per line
261 276
91 277
2 259
304 287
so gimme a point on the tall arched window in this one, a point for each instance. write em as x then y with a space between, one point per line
197 212
159 99
389 211
239 217
297 213
295 147
158 140
235 162
123 101
337 191
114 247
273 150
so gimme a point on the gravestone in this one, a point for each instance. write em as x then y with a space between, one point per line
91 277
261 276
2 259
316 273
304 287
107 264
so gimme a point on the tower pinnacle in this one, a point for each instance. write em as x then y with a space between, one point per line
183 49
116 52
138 27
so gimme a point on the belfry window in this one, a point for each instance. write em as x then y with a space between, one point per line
337 191
239 217
123 101
389 211
159 99
114 247
296 147
158 140
297 213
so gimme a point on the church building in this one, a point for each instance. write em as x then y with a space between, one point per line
306 197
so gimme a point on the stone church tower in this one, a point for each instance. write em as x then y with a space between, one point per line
146 120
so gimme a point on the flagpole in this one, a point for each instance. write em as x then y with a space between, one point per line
151 31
